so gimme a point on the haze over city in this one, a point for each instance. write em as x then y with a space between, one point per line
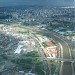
37 37
37 2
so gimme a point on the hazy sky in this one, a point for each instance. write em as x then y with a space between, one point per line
37 2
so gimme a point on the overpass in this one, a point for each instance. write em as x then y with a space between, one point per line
50 59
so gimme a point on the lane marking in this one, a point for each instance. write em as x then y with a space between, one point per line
65 43
61 50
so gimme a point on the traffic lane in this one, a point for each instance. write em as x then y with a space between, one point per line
66 53
66 69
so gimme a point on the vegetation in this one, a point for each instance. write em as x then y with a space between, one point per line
23 32
29 24
52 66
39 67
27 64
33 54
44 44
26 24
35 35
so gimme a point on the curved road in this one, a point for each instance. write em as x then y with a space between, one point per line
66 67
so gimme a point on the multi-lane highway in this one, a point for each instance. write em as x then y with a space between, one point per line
66 67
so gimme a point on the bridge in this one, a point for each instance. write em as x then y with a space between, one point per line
50 59
44 58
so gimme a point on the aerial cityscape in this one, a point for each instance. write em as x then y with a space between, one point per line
37 37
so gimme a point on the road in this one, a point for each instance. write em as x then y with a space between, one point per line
46 65
66 67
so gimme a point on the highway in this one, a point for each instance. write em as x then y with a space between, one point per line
66 67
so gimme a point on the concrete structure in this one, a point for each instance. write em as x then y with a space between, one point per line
50 49
18 50
50 52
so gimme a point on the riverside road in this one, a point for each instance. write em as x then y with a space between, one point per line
66 67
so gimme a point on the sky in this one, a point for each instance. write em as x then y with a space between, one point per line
37 2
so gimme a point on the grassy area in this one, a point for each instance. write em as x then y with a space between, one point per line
23 32
44 44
